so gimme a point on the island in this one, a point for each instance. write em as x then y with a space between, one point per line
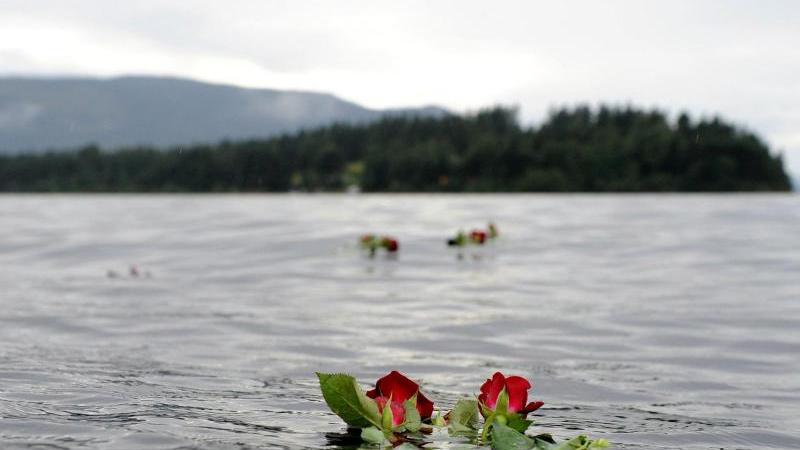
578 149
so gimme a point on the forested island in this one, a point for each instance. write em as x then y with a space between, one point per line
575 150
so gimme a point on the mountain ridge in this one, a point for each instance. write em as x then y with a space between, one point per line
60 113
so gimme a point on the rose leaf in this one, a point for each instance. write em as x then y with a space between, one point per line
505 438
346 399
464 416
373 435
413 420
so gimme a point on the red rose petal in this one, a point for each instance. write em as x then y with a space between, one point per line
424 406
486 385
400 388
517 388
532 406
498 383
397 386
398 413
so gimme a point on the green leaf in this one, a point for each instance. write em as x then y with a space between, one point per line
544 441
464 416
517 422
581 442
373 435
502 403
387 418
413 420
346 399
406 446
505 438
438 421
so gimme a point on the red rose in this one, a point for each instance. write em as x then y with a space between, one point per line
390 244
478 236
398 410
517 390
399 388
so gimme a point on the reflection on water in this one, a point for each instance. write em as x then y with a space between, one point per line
652 321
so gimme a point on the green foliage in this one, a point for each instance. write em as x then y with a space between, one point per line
506 438
406 446
581 443
580 149
464 416
438 420
346 399
413 421
501 407
387 417
373 435
516 422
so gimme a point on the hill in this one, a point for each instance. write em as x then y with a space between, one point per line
62 113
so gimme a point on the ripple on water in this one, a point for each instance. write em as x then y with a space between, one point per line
653 321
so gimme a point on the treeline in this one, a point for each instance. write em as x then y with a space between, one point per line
580 149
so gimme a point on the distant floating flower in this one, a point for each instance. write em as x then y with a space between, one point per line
390 244
372 243
476 236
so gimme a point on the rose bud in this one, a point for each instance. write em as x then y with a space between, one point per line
390 244
478 236
397 388
512 390
398 411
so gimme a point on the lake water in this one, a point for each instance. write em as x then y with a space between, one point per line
656 322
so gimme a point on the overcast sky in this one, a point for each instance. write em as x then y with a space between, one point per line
740 59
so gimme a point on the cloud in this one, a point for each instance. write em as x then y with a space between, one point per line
735 58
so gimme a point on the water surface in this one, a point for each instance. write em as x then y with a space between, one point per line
657 322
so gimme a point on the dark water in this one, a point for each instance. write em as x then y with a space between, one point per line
653 321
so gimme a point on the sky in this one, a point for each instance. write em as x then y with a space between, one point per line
736 59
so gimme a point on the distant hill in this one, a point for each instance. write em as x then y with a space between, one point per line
62 113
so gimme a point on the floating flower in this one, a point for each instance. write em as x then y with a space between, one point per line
372 243
478 236
390 244
394 389
393 413
515 388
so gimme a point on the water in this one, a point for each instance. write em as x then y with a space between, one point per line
654 321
